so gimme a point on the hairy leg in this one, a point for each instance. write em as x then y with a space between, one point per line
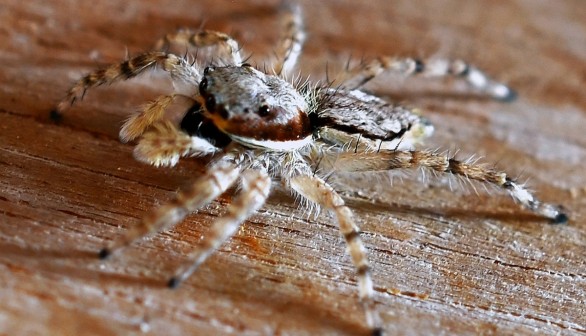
164 144
291 40
207 188
227 48
387 160
256 186
363 73
318 191
151 113
176 66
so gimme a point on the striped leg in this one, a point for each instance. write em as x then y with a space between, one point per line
432 68
386 160
164 144
151 113
218 179
318 191
291 41
176 66
256 186
227 48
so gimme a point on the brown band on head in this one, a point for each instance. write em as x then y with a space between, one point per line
274 127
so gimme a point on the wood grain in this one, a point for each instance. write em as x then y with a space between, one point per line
465 264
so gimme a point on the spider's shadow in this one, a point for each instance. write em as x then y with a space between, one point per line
511 219
68 264
514 219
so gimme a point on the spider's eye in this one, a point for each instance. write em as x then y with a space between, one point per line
213 107
264 110
419 66
203 85
210 103
221 110
207 70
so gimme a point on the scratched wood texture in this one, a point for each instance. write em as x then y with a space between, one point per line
463 263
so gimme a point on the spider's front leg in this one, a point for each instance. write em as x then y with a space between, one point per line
318 191
176 66
363 73
207 188
256 186
442 163
227 48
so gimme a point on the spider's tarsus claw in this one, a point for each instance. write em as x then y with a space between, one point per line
104 253
377 332
173 283
55 116
560 218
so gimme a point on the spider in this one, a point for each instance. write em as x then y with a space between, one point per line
259 127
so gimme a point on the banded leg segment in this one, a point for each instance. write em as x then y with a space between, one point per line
164 144
318 191
151 113
387 160
207 188
431 68
176 66
227 48
291 40
256 186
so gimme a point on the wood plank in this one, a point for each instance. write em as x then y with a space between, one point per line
464 264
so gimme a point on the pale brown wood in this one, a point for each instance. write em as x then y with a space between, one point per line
465 264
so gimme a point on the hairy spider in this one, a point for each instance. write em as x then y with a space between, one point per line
258 127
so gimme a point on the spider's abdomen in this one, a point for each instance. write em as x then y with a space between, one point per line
346 114
255 109
361 113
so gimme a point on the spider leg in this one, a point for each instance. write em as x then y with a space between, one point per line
291 40
176 66
256 186
151 112
164 144
387 160
363 73
318 191
227 48
207 188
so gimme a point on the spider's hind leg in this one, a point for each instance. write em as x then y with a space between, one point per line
476 78
442 163
291 40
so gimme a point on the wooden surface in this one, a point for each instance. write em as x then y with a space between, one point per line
465 264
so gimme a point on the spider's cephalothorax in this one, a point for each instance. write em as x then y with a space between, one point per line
254 108
257 127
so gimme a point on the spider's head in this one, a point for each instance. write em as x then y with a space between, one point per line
255 109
